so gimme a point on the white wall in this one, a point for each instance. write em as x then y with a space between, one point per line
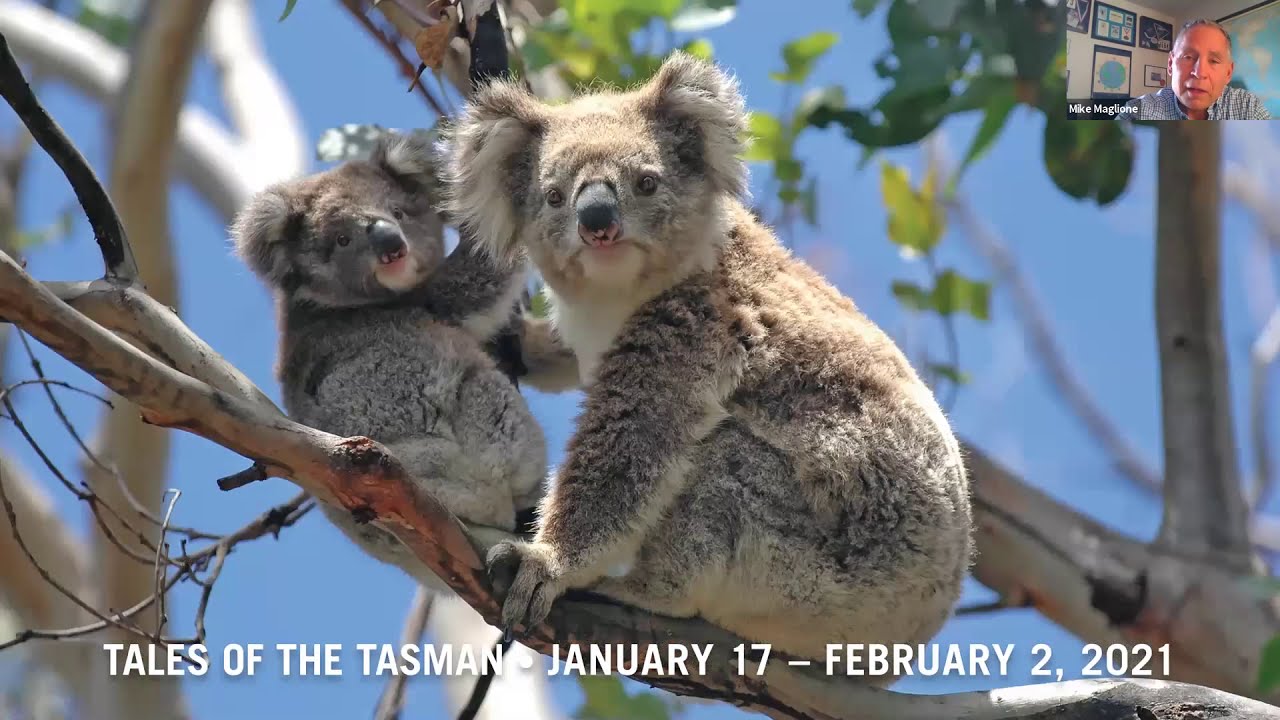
1080 52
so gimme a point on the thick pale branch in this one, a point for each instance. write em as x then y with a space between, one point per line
158 330
1205 512
1262 355
206 155
256 100
1107 588
134 456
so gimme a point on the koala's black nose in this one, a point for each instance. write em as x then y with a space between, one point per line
385 239
598 214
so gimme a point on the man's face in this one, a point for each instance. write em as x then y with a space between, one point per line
1200 67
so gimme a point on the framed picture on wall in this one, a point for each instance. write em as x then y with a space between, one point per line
1111 71
1114 24
1154 34
1078 15
1156 76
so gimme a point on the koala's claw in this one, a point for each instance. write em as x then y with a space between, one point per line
524 583
501 566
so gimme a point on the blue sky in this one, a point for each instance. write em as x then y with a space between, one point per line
1092 269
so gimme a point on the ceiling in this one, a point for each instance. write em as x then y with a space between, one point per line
1186 9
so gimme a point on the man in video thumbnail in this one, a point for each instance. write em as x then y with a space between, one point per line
1200 66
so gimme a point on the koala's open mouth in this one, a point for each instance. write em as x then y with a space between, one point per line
394 255
601 241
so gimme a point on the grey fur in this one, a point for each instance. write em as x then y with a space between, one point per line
396 354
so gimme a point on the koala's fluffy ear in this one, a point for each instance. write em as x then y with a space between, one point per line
409 158
488 164
703 106
261 231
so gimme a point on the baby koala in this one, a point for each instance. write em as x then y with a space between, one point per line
752 449
382 335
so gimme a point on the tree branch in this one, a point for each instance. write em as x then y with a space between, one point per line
391 702
145 125
120 265
267 122
206 155
1204 511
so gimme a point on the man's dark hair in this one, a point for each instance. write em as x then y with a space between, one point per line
1204 21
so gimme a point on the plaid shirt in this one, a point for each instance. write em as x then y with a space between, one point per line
1235 104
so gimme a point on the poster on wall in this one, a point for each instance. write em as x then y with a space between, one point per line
1156 76
1113 24
1154 34
1111 71
1078 15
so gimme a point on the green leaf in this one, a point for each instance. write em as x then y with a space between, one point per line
999 107
58 230
1088 159
700 15
912 296
809 202
915 220
607 700
788 169
905 120
700 48
830 96
1263 588
865 7
115 28
765 134
800 55
1269 666
288 8
954 293
539 306
949 372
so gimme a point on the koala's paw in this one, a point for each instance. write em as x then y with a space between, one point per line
525 582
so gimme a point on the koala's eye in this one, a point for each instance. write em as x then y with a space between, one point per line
397 213
554 198
647 184
343 240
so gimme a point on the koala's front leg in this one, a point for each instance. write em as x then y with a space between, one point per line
473 290
659 390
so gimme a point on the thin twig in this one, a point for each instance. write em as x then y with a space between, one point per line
407 68
252 474
12 515
270 522
95 503
93 457
220 557
949 333
160 546
481 688
391 701
1053 358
